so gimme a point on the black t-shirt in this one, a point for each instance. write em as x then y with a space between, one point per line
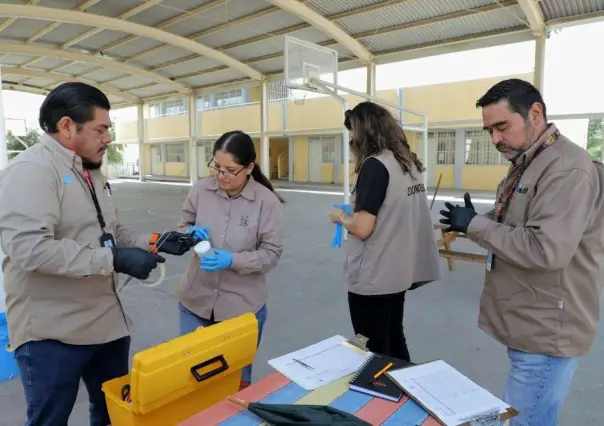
372 183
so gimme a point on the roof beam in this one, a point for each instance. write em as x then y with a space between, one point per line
48 28
128 14
395 28
326 26
40 50
45 75
24 88
74 17
534 16
175 20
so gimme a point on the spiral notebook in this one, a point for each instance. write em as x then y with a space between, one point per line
383 386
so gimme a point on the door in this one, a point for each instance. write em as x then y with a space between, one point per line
157 164
315 150
204 155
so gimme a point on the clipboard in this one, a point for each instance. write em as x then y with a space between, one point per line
494 418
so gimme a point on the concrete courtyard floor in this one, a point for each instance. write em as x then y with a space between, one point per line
307 301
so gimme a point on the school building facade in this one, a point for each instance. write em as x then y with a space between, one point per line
305 136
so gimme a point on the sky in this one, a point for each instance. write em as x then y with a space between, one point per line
573 80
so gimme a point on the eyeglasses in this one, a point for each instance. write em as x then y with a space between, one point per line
216 171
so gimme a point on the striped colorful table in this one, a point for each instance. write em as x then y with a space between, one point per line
278 389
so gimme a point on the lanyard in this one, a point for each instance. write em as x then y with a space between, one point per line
99 213
506 196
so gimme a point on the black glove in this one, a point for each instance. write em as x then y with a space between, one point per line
458 218
175 243
135 262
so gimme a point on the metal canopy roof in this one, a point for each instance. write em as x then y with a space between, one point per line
137 50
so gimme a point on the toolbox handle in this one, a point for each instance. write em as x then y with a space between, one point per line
201 377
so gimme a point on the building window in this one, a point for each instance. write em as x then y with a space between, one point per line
175 153
445 146
278 91
175 107
207 150
480 150
232 97
203 102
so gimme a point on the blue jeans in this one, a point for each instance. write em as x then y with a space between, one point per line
536 387
189 322
51 373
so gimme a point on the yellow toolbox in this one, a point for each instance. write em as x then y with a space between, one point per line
175 380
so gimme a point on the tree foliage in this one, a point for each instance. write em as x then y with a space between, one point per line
595 137
115 152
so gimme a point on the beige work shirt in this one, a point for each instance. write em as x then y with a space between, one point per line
59 281
542 294
251 226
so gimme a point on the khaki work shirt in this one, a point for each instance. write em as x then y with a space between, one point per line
542 294
59 281
401 250
251 226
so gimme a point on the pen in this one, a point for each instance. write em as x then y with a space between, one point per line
382 371
303 364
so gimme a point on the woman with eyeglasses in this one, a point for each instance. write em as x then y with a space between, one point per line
390 247
239 213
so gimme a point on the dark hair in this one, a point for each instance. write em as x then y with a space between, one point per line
241 147
520 95
373 129
74 100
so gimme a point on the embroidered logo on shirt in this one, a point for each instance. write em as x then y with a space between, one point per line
243 221
522 189
66 179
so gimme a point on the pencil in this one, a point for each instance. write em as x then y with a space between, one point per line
382 371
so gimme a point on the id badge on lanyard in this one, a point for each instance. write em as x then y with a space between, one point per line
106 239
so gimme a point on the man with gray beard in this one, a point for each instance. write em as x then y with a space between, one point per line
545 242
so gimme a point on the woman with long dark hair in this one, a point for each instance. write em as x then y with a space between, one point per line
239 213
391 246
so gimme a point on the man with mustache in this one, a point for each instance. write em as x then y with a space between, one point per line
64 247
545 242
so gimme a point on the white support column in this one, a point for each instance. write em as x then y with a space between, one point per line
3 148
140 134
371 78
193 136
264 144
291 158
538 78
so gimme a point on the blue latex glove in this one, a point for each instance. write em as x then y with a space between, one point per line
199 233
223 259
339 234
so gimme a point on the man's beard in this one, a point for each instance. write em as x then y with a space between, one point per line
91 165
513 154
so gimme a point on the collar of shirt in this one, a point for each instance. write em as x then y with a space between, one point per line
67 156
249 192
527 156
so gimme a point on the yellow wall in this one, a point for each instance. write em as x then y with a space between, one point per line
446 104
301 158
482 177
448 173
168 127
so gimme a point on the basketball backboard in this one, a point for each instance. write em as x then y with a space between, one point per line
304 60
16 126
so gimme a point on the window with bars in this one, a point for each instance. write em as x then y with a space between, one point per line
175 153
207 150
480 151
175 107
232 97
203 102
327 147
445 146
278 91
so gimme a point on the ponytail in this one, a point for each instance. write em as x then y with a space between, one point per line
264 181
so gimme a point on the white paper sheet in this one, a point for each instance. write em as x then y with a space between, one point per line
450 395
320 364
